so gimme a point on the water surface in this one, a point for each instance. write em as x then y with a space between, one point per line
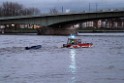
103 63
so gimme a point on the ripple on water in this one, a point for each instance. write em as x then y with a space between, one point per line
11 50
51 64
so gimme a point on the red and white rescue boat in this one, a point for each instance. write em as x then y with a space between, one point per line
76 43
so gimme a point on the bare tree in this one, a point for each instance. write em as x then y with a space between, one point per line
34 11
15 9
54 11
30 11
1 14
11 9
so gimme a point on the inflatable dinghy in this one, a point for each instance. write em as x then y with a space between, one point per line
33 47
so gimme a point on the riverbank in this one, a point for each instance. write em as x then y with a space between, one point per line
18 34
120 34
101 30
34 32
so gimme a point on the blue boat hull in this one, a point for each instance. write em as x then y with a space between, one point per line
33 47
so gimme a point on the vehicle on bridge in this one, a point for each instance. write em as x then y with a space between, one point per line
76 43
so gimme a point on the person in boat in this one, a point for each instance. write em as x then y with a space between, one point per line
72 42
75 41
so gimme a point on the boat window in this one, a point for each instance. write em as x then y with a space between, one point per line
79 40
74 41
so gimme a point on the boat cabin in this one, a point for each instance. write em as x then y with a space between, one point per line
73 41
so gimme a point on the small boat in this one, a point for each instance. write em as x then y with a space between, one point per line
33 47
76 43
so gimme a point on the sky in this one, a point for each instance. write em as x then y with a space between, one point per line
72 5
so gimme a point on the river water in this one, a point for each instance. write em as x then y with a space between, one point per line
103 63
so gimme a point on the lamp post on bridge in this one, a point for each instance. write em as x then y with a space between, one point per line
96 6
62 9
89 7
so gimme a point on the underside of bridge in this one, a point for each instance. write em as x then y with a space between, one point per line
58 29
67 28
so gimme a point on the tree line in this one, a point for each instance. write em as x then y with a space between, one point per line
16 9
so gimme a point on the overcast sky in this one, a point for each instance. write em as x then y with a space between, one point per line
73 5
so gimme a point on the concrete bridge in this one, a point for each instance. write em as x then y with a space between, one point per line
58 23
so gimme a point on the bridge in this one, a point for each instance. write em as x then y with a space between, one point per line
60 20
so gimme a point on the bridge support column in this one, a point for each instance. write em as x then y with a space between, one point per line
56 31
95 24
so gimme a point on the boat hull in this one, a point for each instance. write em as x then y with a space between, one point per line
83 45
33 47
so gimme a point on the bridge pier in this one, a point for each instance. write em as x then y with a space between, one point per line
56 31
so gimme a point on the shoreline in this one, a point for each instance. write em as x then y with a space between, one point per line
78 32
100 31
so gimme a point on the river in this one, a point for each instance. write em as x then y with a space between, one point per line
102 63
